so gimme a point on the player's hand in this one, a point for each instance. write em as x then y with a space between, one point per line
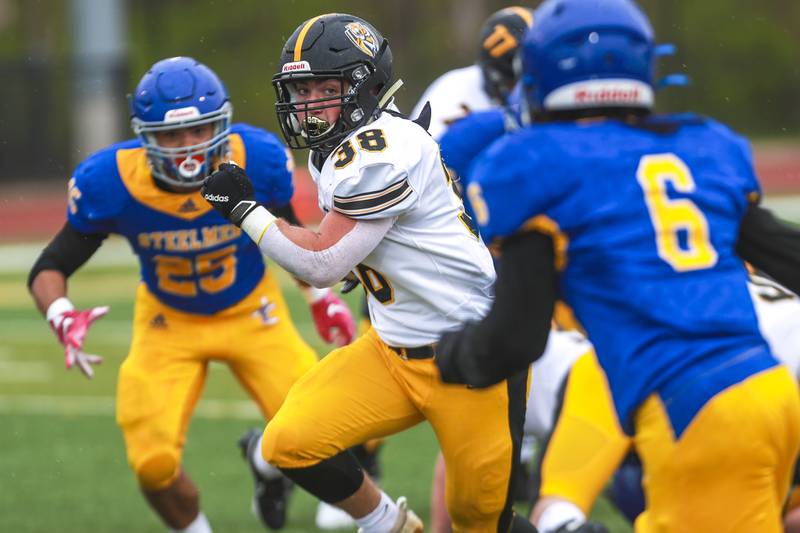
230 192
333 319
71 326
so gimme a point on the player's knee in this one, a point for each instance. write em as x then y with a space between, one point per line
472 510
157 470
280 445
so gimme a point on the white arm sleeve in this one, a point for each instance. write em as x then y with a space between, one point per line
325 267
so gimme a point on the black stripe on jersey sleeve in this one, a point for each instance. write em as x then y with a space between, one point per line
373 202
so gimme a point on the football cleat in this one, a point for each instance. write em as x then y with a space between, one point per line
407 520
575 526
270 496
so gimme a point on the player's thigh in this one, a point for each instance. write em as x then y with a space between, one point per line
587 443
480 433
730 468
270 355
347 398
158 386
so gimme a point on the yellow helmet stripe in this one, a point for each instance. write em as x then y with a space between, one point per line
298 46
522 13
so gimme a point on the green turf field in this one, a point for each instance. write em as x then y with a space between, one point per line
62 466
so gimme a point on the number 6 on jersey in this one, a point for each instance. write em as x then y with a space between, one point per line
670 216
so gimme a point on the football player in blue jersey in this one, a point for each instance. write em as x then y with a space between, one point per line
635 220
197 270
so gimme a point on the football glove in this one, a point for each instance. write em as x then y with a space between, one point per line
71 327
230 192
332 318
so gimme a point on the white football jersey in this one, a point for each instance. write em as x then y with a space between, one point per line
453 95
547 375
778 311
430 273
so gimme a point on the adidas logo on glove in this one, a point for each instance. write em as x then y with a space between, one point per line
216 198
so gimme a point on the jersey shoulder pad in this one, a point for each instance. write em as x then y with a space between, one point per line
740 152
465 139
376 168
268 163
512 183
392 141
96 193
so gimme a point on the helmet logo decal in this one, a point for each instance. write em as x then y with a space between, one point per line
362 37
499 41
183 113
295 66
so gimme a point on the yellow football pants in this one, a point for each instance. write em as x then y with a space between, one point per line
161 379
587 443
366 390
730 470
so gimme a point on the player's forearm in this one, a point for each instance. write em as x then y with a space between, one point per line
47 287
67 252
319 258
515 331
771 245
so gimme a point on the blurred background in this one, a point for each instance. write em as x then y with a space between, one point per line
66 67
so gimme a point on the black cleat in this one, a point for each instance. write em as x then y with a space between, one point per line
270 497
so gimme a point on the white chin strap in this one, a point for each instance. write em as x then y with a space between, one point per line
610 92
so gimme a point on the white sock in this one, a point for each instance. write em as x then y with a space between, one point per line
198 525
381 519
263 467
557 514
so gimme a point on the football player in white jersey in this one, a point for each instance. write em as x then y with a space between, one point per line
394 220
485 84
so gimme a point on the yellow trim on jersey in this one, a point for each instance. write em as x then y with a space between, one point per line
298 46
138 180
548 226
524 14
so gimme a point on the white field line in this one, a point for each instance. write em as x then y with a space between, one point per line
21 256
104 406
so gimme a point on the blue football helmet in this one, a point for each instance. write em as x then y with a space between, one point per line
176 93
588 54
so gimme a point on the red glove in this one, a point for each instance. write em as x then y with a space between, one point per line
71 326
332 317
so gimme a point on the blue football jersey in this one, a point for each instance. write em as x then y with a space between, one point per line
645 221
190 257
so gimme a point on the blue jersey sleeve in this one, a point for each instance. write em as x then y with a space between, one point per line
269 165
468 137
96 194
507 188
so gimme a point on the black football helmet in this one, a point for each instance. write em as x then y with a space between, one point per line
333 46
500 38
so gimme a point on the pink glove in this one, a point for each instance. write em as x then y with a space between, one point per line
332 317
71 326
